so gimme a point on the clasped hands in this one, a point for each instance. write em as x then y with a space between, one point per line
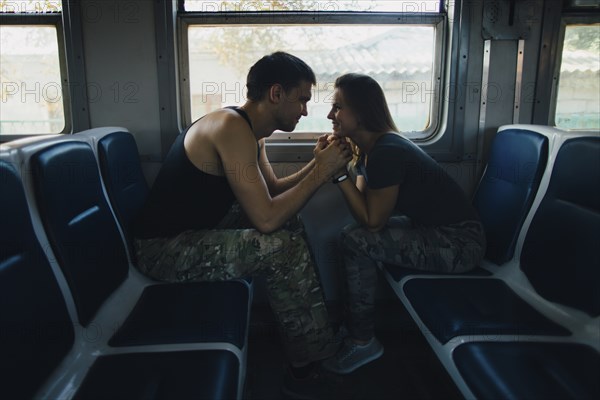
332 154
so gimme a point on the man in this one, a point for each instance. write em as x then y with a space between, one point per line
217 211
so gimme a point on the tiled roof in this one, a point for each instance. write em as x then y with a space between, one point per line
394 53
580 60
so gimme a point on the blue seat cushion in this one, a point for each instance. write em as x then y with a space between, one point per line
80 226
35 329
561 254
123 177
527 370
507 188
475 306
187 313
205 374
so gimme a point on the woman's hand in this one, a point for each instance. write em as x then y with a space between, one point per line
332 155
343 142
322 142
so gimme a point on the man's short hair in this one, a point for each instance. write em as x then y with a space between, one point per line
277 68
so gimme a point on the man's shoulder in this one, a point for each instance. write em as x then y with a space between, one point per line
220 124
223 117
229 133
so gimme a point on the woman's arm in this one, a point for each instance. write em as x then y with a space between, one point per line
370 207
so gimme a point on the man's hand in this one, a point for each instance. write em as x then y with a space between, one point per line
331 155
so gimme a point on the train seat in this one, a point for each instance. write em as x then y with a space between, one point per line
517 160
560 256
475 308
529 370
511 179
127 189
41 343
122 311
37 332
91 253
122 174
548 292
563 233
560 259
204 374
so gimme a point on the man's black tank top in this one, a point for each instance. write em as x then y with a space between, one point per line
184 197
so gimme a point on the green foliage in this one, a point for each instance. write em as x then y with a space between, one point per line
232 43
584 37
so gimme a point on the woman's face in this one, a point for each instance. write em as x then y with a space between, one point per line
344 121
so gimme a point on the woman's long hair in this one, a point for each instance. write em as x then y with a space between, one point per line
367 100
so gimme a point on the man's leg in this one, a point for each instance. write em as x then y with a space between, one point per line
283 257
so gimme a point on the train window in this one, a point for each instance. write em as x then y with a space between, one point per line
578 95
222 39
31 92
311 5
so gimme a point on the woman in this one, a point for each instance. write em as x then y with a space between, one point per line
409 212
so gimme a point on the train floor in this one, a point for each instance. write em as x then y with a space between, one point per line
407 370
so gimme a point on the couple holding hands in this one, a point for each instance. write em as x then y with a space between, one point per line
217 211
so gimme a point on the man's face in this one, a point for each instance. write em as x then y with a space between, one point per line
293 106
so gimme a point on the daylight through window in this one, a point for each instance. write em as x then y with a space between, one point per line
400 51
578 100
31 92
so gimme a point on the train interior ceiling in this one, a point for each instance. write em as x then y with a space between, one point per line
458 75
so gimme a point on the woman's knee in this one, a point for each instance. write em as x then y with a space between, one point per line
353 236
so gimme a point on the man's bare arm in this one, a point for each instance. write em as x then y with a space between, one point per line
237 149
279 185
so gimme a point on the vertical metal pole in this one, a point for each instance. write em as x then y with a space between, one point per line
518 81
487 49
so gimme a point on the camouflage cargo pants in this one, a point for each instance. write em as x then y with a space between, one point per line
453 248
233 250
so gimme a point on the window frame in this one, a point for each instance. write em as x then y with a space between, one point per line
439 21
45 19
570 18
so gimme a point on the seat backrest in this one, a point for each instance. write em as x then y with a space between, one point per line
507 188
123 178
561 252
80 226
35 329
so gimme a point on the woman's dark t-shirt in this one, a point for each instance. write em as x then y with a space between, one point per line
427 194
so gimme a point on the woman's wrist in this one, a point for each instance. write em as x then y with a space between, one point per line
339 178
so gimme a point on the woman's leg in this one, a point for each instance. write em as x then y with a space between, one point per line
450 249
361 283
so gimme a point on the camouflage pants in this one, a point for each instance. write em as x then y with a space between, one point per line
453 248
233 250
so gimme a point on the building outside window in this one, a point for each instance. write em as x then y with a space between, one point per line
578 97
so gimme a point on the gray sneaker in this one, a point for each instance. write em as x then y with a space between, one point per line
353 356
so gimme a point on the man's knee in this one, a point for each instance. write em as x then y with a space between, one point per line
286 248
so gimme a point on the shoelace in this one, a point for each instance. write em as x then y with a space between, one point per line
349 351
